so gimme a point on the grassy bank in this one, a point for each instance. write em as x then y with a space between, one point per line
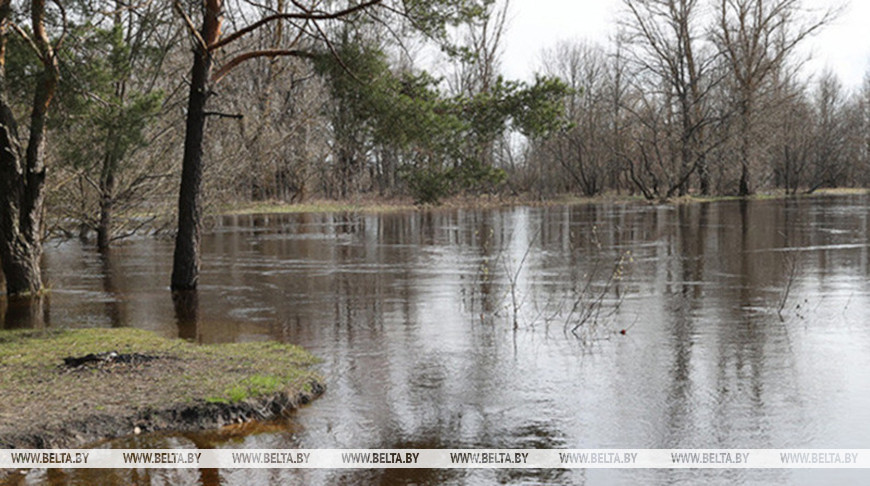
397 205
775 195
375 205
167 385
317 206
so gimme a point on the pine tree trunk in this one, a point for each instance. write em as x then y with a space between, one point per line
186 262
107 201
104 228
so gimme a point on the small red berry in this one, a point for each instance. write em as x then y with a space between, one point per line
622 332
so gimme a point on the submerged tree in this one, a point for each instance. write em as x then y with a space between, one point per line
113 95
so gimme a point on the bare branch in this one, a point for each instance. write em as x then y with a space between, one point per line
18 30
189 23
237 116
229 66
335 54
305 15
62 36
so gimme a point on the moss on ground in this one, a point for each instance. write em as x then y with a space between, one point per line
45 403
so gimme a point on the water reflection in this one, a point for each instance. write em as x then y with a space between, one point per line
114 307
25 312
412 314
186 304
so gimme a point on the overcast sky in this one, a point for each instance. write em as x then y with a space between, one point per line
844 46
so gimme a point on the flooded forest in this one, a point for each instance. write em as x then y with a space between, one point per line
658 240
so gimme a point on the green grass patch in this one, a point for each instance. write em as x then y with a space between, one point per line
315 207
255 386
38 388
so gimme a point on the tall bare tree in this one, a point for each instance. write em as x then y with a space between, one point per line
583 151
757 39
673 51
791 143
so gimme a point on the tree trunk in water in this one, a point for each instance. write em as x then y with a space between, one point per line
104 230
22 185
745 134
186 303
21 267
185 267
685 164
107 202
114 150
19 255
743 190
703 176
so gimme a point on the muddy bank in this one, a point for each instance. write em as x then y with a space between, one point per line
169 385
193 417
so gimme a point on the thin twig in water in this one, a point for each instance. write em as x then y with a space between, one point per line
792 264
513 277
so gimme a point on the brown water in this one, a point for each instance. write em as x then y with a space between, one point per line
451 329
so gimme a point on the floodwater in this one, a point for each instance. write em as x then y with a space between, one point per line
746 326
